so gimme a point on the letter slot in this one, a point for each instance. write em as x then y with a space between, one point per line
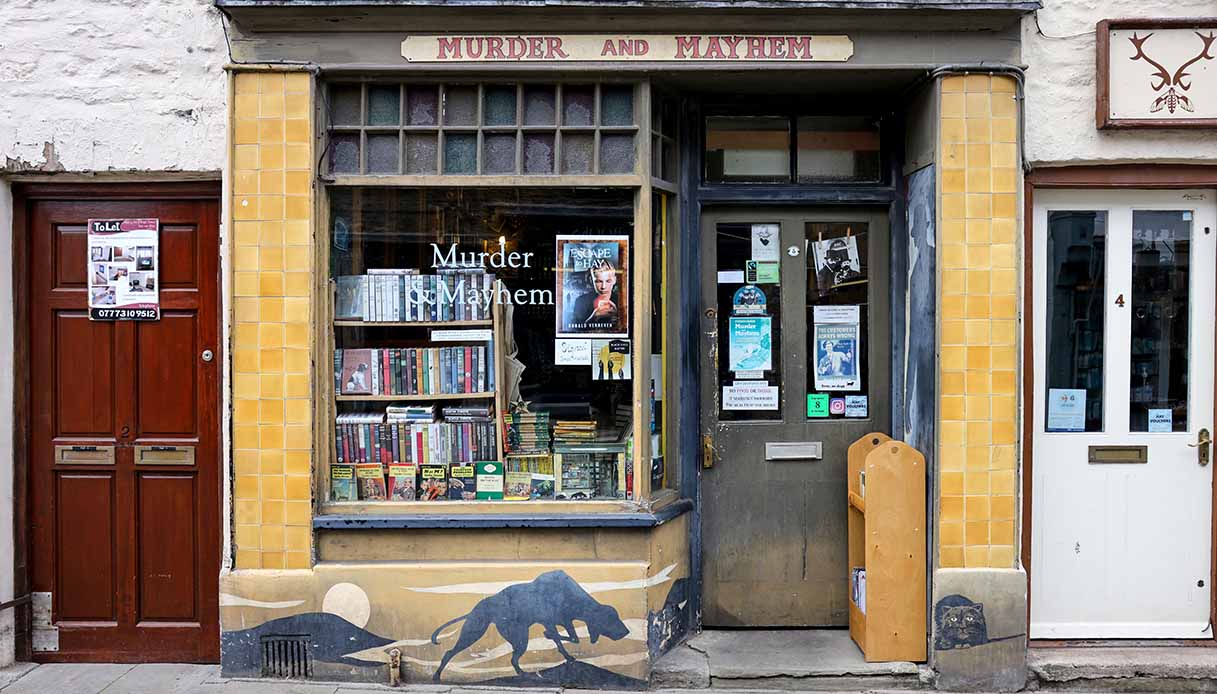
794 450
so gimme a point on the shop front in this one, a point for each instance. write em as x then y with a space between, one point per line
549 348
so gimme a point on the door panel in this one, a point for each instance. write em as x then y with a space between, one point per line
85 573
83 379
777 528
1124 305
128 550
166 349
167 546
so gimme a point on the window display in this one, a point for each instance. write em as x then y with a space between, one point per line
482 345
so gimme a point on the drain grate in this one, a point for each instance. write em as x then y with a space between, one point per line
286 657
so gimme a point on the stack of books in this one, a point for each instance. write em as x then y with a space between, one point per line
568 431
528 432
529 476
410 413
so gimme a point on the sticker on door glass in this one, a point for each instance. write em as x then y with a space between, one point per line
836 406
748 300
817 405
762 272
1066 409
1161 420
750 344
836 334
765 242
856 406
750 395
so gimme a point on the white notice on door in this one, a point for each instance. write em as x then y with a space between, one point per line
747 395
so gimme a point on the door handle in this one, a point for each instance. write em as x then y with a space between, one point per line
1203 441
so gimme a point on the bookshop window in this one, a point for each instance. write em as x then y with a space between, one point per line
661 211
481 344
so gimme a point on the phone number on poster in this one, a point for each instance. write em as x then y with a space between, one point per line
124 314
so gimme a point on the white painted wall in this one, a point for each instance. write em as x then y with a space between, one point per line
112 85
1061 88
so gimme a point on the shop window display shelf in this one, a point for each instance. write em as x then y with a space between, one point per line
886 501
414 398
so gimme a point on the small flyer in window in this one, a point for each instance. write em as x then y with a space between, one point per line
1161 421
593 286
750 344
1066 409
612 360
837 342
765 242
124 269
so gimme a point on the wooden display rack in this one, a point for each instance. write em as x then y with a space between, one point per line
887 539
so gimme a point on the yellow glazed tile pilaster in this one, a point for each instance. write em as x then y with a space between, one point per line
978 391
272 264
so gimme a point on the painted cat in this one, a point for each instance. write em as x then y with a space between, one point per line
960 623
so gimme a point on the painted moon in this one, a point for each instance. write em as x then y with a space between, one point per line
348 601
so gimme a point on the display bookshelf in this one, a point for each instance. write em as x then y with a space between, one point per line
418 333
886 500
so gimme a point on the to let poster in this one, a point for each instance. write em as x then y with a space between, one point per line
124 269
593 286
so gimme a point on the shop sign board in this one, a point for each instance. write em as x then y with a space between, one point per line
1157 73
124 269
576 48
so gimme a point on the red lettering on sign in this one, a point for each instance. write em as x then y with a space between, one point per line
553 48
494 48
714 49
733 43
448 48
642 47
777 47
756 48
799 47
609 48
516 47
473 48
536 47
688 47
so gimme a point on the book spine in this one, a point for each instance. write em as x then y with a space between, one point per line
468 369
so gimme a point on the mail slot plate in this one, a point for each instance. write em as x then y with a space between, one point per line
164 455
84 455
794 450
1126 455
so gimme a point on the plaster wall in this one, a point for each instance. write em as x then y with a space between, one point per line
1061 81
120 85
7 368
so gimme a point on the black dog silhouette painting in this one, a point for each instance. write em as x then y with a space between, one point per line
552 600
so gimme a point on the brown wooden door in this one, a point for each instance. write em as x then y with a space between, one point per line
129 550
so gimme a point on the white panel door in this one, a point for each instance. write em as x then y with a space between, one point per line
1123 329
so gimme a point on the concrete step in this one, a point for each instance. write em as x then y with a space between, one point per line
812 659
1141 669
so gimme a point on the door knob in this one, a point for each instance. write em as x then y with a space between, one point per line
1203 441
208 355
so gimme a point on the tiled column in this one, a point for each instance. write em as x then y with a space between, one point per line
272 204
979 309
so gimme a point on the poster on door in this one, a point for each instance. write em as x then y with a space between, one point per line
836 336
124 269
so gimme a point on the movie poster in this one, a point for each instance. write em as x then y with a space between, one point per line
593 286
124 269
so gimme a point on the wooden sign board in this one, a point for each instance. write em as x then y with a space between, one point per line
579 48
1156 73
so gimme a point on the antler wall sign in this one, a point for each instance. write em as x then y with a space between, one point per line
1177 82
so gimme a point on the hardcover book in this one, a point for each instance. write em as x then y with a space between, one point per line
356 372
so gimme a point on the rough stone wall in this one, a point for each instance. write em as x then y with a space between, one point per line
1061 88
111 85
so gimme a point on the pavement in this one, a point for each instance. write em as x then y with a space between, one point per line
28 678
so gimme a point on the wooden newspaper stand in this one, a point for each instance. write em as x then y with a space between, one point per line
887 540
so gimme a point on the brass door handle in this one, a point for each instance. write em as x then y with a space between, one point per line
1202 444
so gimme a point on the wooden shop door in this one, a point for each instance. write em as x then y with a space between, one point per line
781 402
123 462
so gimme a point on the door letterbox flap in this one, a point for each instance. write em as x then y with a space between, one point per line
794 450
164 455
84 455
1118 454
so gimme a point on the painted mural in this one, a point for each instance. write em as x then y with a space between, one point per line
960 623
587 624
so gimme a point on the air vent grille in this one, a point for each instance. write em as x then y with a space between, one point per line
286 657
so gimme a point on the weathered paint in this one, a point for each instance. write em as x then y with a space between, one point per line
355 612
1059 50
